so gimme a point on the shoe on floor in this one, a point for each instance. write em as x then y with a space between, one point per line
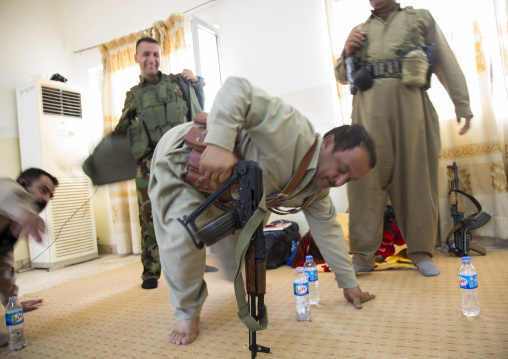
149 283
211 269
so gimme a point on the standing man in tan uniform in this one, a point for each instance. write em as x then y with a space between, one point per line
152 107
405 128
20 204
277 137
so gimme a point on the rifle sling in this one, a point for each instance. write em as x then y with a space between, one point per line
477 249
300 171
241 248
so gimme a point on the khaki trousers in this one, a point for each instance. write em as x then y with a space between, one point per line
405 128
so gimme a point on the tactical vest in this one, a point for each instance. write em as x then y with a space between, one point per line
160 107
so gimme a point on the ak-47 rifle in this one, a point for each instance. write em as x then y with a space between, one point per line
463 225
250 186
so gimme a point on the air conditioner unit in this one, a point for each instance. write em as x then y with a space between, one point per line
53 136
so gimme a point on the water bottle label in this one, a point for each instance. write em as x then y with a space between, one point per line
312 275
468 281
14 318
301 289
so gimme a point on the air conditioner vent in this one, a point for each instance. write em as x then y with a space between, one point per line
70 211
60 102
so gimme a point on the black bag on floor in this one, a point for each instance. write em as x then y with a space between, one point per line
279 239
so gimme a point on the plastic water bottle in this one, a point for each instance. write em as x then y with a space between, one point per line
310 268
14 320
469 288
301 288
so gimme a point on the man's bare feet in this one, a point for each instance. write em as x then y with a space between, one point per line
185 331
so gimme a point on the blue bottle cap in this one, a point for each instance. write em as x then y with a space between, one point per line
466 259
308 258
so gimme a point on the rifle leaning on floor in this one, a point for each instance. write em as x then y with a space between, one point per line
247 214
462 226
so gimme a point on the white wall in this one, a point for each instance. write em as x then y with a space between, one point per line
31 46
281 46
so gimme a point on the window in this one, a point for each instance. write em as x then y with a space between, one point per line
206 56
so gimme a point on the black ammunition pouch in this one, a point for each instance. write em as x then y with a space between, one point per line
363 79
385 69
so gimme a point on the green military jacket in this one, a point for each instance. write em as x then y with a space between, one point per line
151 109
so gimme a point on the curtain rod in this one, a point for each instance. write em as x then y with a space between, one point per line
185 12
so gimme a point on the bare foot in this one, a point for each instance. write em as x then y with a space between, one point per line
185 331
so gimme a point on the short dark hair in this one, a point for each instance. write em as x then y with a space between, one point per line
145 39
33 174
348 137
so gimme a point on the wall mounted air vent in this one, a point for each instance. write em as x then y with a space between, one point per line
61 102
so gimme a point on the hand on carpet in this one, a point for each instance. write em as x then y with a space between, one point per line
29 305
185 331
356 296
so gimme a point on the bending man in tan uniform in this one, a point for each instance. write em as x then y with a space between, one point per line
405 128
277 137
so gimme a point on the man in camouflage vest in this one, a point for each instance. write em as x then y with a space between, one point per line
158 103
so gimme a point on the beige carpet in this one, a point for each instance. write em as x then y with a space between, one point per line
108 315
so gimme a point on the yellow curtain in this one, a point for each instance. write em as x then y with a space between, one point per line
477 34
121 73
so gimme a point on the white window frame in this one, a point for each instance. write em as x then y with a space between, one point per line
196 25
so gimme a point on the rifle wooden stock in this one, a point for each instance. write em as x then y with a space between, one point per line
458 201
250 269
255 272
453 198
261 277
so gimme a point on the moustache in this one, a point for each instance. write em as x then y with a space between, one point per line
41 205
